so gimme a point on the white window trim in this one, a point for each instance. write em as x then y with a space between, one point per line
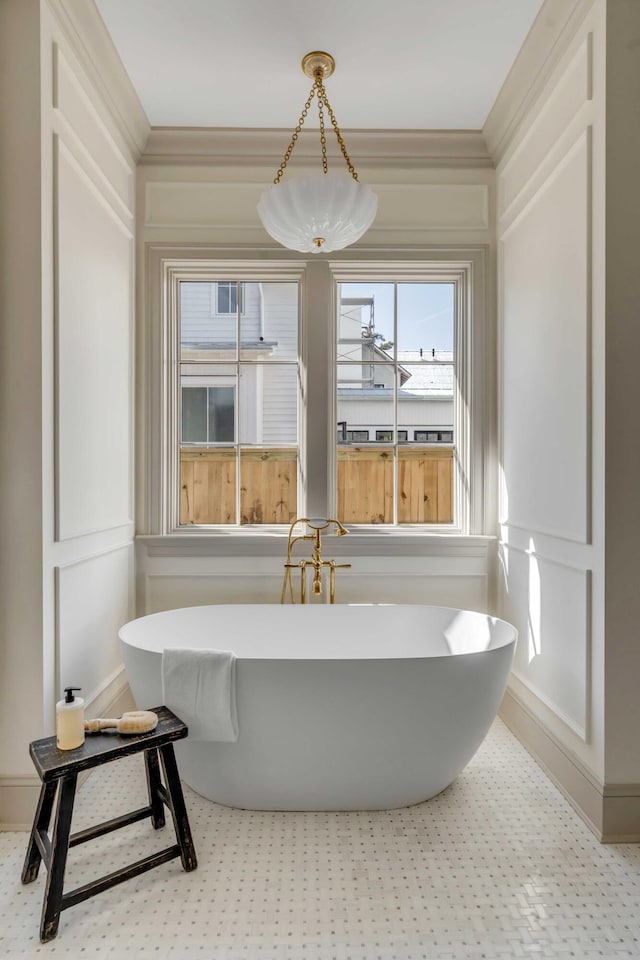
158 466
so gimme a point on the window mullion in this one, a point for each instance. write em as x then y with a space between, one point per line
319 413
238 412
396 377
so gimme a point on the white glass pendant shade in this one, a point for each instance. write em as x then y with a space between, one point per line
317 214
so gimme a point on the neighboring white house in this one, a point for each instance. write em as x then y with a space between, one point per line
258 384
210 378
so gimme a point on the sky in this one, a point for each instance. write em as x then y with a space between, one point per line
425 312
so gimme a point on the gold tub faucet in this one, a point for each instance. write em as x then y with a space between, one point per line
312 531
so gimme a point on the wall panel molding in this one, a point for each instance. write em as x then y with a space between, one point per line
401 207
170 589
171 574
548 131
552 610
551 323
89 293
93 597
92 136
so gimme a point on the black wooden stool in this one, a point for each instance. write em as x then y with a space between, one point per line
60 769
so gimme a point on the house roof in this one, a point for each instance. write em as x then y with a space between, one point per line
429 375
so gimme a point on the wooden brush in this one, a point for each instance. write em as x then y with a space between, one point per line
135 721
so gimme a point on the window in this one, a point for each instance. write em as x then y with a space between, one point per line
260 426
433 436
237 449
208 415
396 362
226 297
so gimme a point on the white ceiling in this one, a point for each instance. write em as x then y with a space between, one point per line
400 64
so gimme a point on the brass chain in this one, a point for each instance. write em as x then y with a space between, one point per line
336 129
303 117
317 90
323 139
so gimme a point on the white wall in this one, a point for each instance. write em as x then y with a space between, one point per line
68 189
568 348
550 199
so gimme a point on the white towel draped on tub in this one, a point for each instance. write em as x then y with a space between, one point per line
199 686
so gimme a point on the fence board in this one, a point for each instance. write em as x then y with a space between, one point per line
208 482
445 491
268 488
365 484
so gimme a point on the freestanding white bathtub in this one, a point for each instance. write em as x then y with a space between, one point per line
344 707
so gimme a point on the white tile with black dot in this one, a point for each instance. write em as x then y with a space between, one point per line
498 866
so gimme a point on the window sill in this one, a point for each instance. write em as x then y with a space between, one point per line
271 541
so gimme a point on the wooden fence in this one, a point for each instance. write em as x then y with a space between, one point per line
268 485
425 485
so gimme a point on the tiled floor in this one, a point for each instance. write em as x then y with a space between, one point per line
498 866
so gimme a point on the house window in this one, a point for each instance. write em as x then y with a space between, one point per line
251 406
226 296
433 436
208 415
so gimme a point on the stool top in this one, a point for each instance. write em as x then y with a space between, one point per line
98 748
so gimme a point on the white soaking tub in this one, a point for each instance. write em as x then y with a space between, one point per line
344 707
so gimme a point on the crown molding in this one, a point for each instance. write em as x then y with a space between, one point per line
227 146
545 44
91 43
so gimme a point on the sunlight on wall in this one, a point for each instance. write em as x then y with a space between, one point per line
535 604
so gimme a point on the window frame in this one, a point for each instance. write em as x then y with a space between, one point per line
157 500
470 428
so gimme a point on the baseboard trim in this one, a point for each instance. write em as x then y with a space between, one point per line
19 794
611 811
18 800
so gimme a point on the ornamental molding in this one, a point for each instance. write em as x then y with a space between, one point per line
553 30
91 43
402 149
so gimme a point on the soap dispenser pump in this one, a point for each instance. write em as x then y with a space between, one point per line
70 720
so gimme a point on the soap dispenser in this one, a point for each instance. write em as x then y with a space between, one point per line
70 720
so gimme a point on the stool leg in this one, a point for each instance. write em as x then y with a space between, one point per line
59 849
40 826
178 809
153 786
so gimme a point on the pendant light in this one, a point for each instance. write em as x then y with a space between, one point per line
323 212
